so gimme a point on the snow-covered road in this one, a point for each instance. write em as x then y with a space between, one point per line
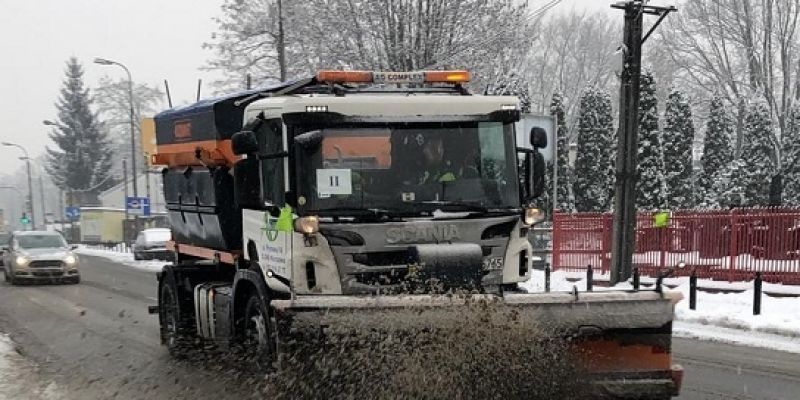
19 379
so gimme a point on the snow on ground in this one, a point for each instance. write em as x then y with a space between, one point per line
122 258
19 379
724 317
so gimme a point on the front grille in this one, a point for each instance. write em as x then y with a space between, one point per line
47 274
45 264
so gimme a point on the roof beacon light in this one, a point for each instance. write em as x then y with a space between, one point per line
455 77
447 76
344 76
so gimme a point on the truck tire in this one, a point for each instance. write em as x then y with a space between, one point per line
176 322
258 336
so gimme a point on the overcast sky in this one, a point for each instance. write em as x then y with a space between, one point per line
155 39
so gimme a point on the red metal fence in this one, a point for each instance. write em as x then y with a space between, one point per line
720 244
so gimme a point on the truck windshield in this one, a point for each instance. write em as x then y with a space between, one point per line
410 169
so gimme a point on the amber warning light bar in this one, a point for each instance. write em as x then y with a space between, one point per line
455 77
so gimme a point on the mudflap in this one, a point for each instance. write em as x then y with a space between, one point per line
606 344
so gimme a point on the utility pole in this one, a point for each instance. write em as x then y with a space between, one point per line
41 200
125 182
103 61
281 43
623 238
63 208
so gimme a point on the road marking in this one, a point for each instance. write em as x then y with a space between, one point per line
152 298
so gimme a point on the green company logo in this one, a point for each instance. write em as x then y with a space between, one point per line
270 227
274 225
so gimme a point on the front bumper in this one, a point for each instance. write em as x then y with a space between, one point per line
46 274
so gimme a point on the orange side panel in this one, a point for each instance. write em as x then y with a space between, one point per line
212 153
202 252
601 356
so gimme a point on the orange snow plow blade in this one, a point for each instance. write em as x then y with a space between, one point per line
618 343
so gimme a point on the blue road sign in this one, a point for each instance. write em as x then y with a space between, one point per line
72 213
138 206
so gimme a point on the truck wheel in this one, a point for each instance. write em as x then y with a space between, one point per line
175 324
259 333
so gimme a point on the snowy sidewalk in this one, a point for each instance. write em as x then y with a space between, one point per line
19 379
725 317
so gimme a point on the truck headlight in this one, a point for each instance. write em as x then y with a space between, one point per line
307 225
70 260
533 216
21 261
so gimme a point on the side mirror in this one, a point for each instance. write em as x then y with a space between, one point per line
244 142
73 247
538 138
534 173
309 140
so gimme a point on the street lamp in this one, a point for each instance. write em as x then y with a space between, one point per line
30 181
103 61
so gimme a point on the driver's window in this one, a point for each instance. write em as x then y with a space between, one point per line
270 138
493 150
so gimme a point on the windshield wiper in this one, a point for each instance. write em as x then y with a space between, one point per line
448 205
455 206
353 212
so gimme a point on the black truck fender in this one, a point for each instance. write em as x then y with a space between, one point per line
244 282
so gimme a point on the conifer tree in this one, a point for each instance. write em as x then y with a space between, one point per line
758 155
717 150
82 159
565 200
594 178
651 184
678 137
791 159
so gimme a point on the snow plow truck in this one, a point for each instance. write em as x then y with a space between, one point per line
331 193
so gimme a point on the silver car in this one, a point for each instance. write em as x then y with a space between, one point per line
39 256
151 244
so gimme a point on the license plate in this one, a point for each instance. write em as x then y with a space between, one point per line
492 263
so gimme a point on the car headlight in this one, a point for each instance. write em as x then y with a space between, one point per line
70 260
22 261
307 225
533 216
